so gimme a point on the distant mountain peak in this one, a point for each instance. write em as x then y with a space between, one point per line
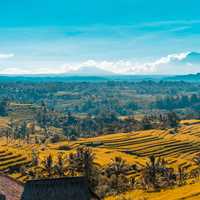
193 57
90 71
193 53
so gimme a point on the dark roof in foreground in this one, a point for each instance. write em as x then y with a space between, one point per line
69 188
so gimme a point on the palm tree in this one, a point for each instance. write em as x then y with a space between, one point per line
59 167
11 128
117 169
156 174
35 162
72 164
82 162
48 165
196 172
150 172
182 175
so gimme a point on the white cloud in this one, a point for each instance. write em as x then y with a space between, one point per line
119 66
6 56
126 66
154 66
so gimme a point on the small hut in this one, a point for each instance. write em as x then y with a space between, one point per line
69 188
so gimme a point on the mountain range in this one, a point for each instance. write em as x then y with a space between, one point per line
90 71
192 58
188 64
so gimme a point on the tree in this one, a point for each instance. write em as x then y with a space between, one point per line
156 174
146 123
194 99
42 115
173 119
59 167
35 158
35 162
31 131
70 126
196 171
82 162
182 175
150 172
3 108
117 171
48 165
12 129
17 130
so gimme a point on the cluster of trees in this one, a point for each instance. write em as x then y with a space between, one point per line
85 109
72 127
17 129
160 121
176 102
119 97
117 177
102 180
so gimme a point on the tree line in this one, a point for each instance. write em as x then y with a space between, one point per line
116 177
72 127
119 97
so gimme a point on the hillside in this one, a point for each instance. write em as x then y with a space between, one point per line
178 149
186 78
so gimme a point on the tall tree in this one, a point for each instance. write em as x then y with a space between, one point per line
48 165
82 162
60 166
118 170
3 108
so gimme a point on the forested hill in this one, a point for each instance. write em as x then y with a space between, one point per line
129 78
82 105
186 78
66 78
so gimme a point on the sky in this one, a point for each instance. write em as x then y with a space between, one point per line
122 36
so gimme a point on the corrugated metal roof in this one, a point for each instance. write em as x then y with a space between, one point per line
69 188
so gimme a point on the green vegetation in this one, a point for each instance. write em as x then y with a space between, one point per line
154 145
85 109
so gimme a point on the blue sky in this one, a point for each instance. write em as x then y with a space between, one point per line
124 36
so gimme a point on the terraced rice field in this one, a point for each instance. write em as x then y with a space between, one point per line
11 160
188 192
179 148
135 147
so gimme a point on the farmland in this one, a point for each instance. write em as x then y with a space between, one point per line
135 147
142 144
188 192
117 134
